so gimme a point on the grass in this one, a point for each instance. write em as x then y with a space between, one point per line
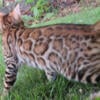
87 16
32 83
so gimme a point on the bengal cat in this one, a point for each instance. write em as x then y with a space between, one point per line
72 50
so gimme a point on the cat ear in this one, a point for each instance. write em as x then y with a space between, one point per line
16 13
2 14
1 20
97 26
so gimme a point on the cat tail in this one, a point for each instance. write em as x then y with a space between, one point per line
96 27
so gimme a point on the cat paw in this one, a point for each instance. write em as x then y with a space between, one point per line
95 96
4 95
51 76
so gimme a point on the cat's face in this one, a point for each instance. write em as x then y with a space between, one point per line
13 17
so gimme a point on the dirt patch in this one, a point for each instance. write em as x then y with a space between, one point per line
75 7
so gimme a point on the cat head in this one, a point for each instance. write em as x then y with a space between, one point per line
10 18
